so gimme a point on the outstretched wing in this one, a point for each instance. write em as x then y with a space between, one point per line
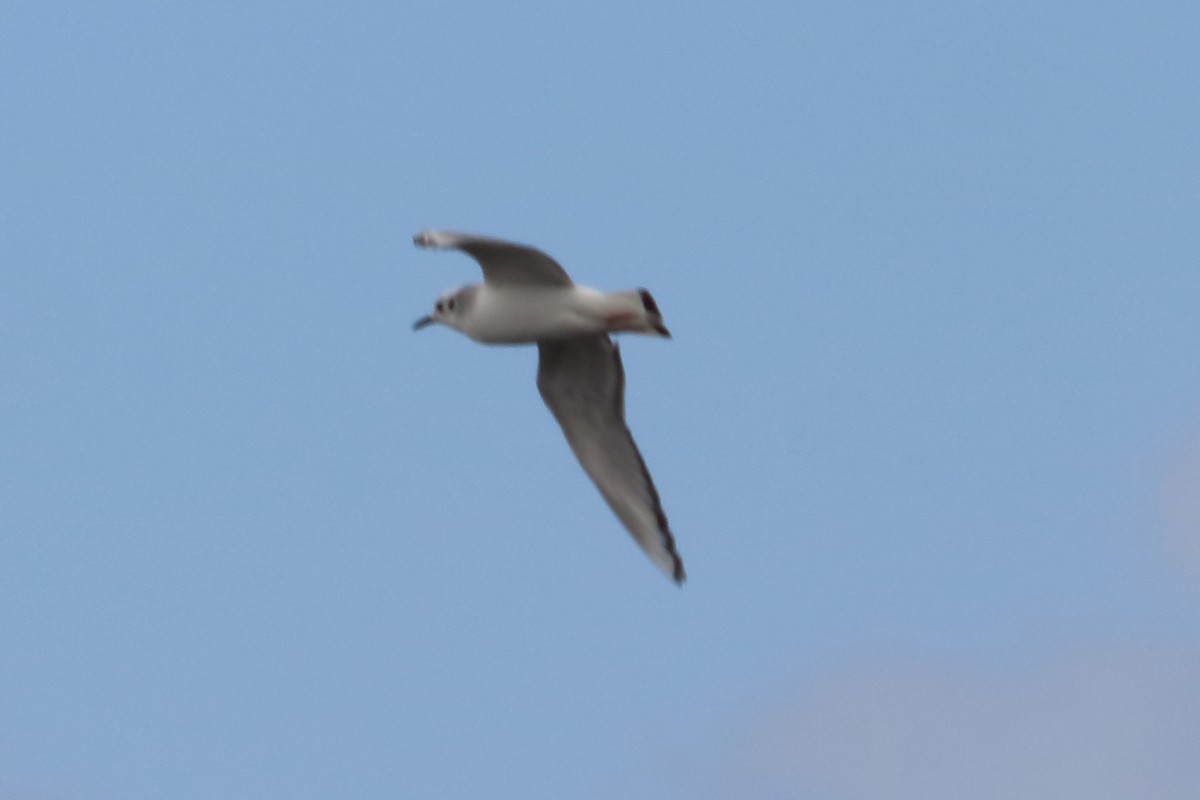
504 263
582 381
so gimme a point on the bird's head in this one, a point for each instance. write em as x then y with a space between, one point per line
449 309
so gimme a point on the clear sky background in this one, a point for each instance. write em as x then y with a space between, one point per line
928 432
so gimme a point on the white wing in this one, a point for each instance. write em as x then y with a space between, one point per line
504 263
582 381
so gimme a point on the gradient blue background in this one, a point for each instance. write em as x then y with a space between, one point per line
928 431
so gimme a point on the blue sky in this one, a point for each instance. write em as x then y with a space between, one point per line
928 432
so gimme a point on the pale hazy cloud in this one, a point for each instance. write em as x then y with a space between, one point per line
1097 722
1096 725
1181 502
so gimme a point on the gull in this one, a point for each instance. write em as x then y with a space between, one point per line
527 298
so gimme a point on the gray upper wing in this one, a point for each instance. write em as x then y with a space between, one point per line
582 381
504 263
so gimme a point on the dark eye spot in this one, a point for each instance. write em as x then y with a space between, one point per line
438 306
450 304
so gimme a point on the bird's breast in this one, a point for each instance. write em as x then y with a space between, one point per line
522 315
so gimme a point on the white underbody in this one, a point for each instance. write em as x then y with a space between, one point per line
525 314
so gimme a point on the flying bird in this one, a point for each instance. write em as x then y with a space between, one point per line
527 298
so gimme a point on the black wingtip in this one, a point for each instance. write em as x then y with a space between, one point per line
653 313
648 302
677 573
660 516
